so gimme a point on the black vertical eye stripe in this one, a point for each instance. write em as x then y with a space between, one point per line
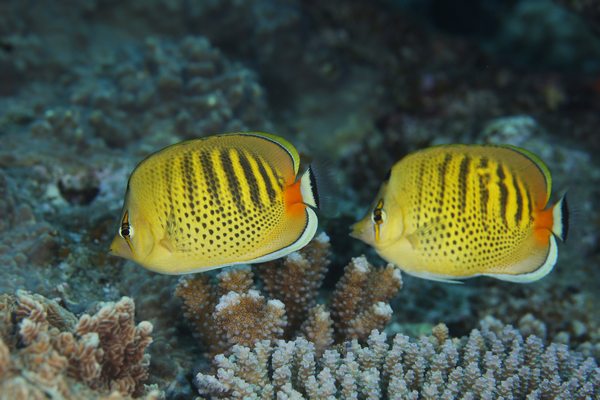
124 230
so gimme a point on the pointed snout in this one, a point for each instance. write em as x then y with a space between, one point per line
363 230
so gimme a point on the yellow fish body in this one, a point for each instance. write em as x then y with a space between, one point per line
217 201
459 211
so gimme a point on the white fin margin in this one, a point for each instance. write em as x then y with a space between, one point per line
539 273
434 277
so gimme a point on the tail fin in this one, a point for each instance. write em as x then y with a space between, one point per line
560 217
308 188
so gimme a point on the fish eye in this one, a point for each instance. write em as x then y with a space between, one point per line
126 231
378 216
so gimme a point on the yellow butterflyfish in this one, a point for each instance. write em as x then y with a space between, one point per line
458 211
217 201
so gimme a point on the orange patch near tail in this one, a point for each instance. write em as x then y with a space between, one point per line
542 225
294 204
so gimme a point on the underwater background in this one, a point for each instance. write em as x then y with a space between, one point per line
89 88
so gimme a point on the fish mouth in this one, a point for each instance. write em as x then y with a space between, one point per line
354 231
357 230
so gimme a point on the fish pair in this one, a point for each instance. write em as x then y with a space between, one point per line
443 213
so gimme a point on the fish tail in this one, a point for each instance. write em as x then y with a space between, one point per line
560 218
308 189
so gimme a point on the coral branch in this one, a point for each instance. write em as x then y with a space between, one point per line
494 361
358 304
61 355
296 279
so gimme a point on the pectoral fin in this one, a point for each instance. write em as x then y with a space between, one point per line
167 244
415 238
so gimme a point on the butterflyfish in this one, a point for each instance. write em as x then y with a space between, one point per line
217 201
458 211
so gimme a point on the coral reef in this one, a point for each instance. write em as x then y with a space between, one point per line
494 361
166 88
90 88
559 314
46 350
233 312
297 281
173 354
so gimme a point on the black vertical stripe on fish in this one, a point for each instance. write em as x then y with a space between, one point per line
463 174
519 212
503 193
210 175
529 204
252 183
188 178
443 171
233 183
484 194
420 191
169 190
265 176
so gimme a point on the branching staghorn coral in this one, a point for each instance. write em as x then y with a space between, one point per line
230 312
233 311
360 300
493 362
45 351
304 272
559 313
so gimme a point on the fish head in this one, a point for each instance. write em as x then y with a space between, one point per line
382 224
134 239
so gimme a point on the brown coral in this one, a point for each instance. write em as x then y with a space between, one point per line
233 311
60 355
359 302
248 317
303 272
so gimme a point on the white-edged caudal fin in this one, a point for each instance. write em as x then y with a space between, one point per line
560 217
308 188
